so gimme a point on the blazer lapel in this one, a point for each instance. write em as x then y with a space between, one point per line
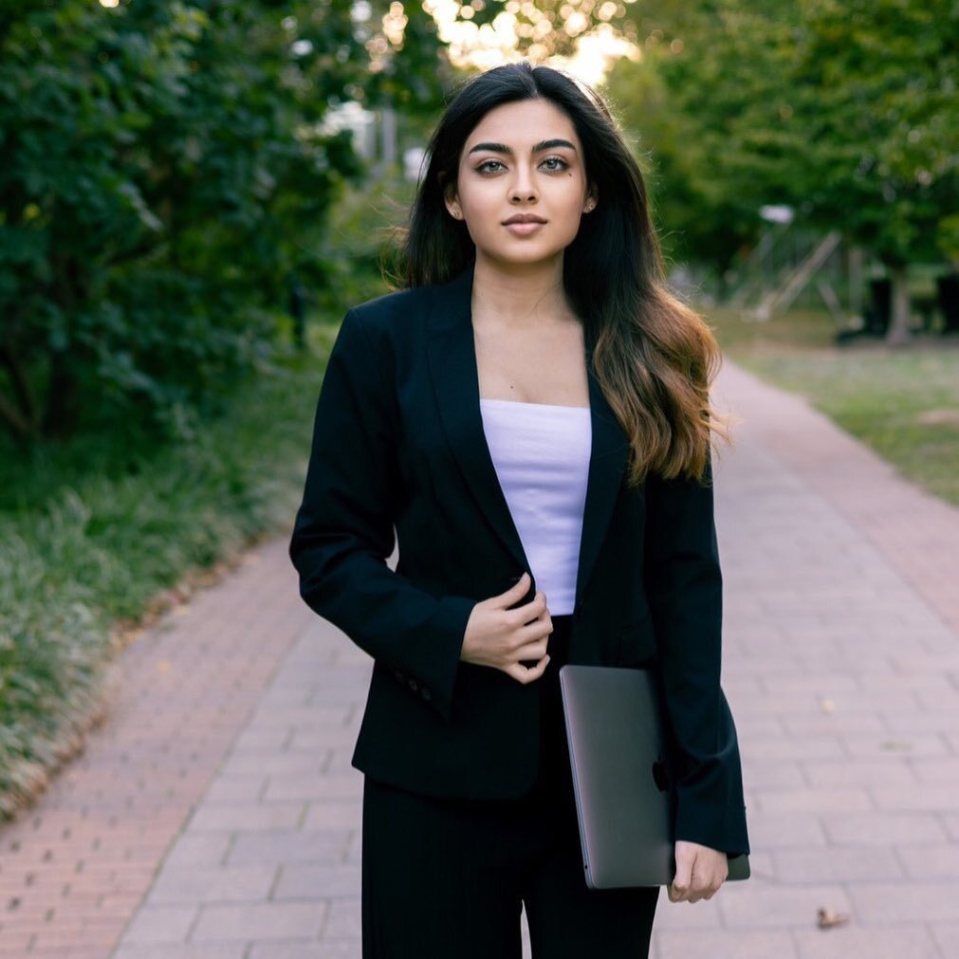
452 359
606 465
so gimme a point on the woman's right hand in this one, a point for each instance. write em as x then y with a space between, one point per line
503 637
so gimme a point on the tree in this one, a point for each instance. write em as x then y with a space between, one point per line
163 168
883 131
841 110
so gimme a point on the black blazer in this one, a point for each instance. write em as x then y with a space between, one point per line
399 444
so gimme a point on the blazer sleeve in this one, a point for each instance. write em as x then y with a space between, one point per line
684 588
344 529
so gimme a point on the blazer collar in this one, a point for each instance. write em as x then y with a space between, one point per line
452 361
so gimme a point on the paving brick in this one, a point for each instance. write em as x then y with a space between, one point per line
344 920
211 950
936 770
896 742
835 724
270 763
161 923
883 828
199 849
324 882
227 788
946 935
759 775
780 830
683 916
288 846
837 864
929 798
219 884
333 814
701 944
320 738
889 771
331 949
825 799
314 786
302 717
260 921
885 902
818 747
931 861
246 817
852 942
792 907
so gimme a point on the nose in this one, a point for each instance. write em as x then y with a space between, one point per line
523 189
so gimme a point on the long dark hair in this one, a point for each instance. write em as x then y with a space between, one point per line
653 356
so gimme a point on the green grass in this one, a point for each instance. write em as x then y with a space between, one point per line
91 531
901 401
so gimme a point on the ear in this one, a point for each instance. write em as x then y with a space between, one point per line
589 204
452 203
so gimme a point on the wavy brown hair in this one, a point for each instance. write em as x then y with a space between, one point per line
653 357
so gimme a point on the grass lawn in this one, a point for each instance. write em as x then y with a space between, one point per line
901 401
94 530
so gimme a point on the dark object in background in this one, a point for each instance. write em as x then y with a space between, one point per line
947 288
879 312
297 307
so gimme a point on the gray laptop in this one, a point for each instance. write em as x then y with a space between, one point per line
616 747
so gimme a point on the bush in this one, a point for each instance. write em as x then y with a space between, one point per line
91 531
162 170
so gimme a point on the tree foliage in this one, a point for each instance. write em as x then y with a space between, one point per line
843 110
539 30
163 168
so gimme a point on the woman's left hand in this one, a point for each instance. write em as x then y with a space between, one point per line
700 871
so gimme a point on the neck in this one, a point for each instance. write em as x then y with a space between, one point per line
524 295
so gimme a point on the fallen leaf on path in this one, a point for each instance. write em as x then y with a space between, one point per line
827 919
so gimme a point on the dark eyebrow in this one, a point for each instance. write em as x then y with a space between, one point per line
538 148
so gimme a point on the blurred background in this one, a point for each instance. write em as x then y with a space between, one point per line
192 193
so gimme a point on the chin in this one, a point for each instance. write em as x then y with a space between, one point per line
523 255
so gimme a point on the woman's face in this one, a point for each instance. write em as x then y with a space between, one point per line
521 184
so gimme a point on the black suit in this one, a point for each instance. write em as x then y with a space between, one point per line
399 442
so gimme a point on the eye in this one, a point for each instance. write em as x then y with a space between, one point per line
555 164
490 166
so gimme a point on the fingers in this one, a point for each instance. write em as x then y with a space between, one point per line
700 871
515 635
527 674
513 595
679 887
534 609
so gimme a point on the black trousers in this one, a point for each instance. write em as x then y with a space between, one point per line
447 878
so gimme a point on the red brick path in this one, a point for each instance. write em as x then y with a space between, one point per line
74 868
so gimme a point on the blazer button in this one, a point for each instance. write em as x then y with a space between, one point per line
400 678
413 684
426 694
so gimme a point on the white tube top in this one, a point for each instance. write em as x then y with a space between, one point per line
541 454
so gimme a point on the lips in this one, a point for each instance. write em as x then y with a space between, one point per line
523 218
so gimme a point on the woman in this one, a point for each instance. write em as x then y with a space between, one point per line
529 422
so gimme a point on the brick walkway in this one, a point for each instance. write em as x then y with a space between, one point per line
215 816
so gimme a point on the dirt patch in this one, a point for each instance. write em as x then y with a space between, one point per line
942 417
